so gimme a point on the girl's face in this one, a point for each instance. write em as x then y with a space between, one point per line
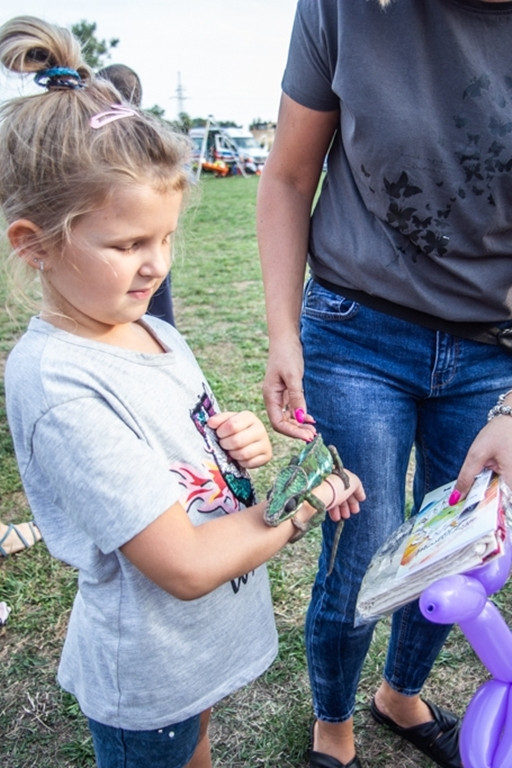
114 262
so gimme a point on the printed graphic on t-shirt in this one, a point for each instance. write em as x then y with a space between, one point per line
480 159
220 483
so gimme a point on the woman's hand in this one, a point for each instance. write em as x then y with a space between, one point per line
283 393
243 436
491 448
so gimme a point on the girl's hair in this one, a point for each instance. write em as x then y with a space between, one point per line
54 166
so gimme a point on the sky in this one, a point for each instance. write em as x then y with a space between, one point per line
228 55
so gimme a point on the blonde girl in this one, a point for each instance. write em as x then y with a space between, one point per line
134 476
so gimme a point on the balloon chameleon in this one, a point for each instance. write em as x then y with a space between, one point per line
486 731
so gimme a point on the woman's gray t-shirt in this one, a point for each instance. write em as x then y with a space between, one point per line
416 206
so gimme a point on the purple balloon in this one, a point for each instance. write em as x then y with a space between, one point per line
483 725
486 732
454 598
503 755
492 641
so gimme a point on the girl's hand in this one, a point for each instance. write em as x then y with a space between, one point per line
243 436
341 502
346 500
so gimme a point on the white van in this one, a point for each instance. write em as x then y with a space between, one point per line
233 146
248 148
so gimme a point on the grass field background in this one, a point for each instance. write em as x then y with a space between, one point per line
219 308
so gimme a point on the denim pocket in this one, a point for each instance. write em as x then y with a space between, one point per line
322 304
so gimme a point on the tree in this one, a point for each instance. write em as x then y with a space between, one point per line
184 122
157 111
227 124
94 50
261 125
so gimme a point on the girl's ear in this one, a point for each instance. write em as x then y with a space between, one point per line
25 238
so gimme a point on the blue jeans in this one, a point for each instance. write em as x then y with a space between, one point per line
379 386
169 747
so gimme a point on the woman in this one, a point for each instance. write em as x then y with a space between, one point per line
399 340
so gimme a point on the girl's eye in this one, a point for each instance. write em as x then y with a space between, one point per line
126 248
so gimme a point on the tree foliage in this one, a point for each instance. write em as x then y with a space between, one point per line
260 125
94 51
157 111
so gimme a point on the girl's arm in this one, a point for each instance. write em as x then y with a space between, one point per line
285 197
189 561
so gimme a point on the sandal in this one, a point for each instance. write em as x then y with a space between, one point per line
321 760
438 739
17 537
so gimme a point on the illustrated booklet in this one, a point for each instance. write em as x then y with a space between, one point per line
441 540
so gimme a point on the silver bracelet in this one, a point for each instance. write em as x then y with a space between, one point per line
500 409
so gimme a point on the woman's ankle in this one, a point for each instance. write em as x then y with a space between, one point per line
406 711
335 739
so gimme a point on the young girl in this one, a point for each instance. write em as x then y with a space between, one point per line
130 469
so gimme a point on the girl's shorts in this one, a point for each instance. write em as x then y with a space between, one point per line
169 747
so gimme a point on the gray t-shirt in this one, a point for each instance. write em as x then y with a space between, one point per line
416 207
107 439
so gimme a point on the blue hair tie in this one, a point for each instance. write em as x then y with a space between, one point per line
58 77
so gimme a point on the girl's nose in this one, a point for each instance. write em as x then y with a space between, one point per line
157 263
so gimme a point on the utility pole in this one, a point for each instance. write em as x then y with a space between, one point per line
180 95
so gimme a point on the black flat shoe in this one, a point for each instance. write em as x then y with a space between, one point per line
321 760
438 739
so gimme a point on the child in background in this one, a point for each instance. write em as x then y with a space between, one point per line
133 475
127 82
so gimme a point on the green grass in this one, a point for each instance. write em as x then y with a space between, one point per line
219 308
